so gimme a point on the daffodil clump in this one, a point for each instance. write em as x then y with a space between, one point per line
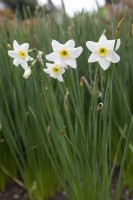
64 56
74 121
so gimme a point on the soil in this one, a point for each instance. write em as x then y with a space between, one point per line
15 192
125 194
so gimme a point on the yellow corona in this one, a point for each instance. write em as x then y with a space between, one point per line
102 51
22 54
56 69
64 53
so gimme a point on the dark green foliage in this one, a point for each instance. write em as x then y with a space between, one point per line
20 3
108 1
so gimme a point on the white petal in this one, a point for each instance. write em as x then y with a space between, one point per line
61 62
16 46
53 56
30 58
103 39
63 70
104 63
113 57
76 52
12 54
47 71
70 44
49 65
24 46
118 44
56 45
24 65
66 67
93 58
92 46
52 75
111 44
60 78
16 62
71 62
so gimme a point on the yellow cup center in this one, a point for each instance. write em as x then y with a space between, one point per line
102 51
56 69
22 54
64 53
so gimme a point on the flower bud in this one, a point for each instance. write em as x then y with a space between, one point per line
39 56
27 73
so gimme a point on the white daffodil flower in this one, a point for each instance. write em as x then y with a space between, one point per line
27 73
65 54
55 71
20 54
103 51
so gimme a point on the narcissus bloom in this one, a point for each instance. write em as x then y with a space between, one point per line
27 73
20 54
103 52
55 71
65 54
